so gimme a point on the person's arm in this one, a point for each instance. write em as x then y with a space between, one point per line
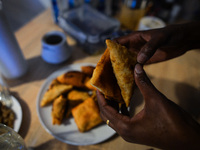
161 123
162 44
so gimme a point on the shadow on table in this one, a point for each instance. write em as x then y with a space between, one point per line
189 98
38 69
26 118
53 144
185 95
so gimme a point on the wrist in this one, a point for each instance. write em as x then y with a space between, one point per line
189 33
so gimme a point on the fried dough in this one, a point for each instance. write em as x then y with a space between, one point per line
58 110
88 84
75 78
86 115
104 79
53 82
123 63
88 70
53 93
77 95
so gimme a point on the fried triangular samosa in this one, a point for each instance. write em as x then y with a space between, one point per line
104 79
53 93
123 63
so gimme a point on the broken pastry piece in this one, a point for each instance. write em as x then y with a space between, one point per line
123 63
104 79
53 93
86 115
114 73
75 78
58 110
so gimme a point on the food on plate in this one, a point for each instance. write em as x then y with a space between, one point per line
75 78
73 99
88 70
116 64
70 105
54 82
53 93
88 85
7 116
58 109
74 95
86 115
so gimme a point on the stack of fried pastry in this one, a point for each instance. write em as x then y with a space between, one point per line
71 94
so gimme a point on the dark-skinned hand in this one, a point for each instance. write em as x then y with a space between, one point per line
161 123
162 44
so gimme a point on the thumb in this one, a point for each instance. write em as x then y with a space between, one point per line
144 84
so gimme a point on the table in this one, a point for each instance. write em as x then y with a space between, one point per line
178 79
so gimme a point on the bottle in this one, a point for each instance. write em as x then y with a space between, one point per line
12 61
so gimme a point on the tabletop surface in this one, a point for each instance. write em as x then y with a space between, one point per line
178 79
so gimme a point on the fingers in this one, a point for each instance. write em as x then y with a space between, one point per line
124 39
144 84
148 50
107 112
124 110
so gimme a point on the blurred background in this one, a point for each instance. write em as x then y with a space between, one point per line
19 12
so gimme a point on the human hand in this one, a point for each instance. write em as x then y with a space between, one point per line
161 123
162 44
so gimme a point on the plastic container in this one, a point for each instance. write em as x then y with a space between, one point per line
88 26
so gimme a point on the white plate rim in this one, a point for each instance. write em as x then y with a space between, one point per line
17 109
45 85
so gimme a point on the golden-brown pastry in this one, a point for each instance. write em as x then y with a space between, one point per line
88 70
75 78
54 82
53 93
94 95
58 110
114 73
77 95
86 115
123 63
70 105
88 84
104 79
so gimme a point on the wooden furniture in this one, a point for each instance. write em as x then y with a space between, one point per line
178 79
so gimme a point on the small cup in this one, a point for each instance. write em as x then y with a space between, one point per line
150 22
55 49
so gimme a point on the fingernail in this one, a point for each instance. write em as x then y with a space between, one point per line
142 58
138 69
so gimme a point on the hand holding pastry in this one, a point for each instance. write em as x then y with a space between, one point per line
161 123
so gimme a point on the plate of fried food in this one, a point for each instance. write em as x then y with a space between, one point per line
67 107
11 116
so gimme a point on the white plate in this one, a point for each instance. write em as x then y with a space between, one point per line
16 107
68 131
